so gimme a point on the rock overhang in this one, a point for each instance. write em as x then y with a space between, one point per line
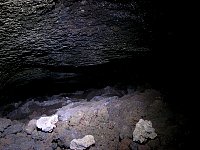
38 37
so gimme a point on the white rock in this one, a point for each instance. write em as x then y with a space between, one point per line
143 131
81 144
47 123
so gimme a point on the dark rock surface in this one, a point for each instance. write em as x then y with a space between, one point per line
58 46
111 120
48 40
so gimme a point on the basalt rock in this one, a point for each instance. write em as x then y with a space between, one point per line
112 121
4 123
50 39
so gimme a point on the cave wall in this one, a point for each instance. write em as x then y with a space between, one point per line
42 39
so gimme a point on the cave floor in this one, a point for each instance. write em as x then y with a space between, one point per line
109 114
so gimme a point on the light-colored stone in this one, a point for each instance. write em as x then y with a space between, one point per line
75 119
47 124
31 126
82 112
143 131
81 144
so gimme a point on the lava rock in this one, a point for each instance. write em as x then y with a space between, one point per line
16 127
4 123
37 37
31 126
81 144
47 123
143 131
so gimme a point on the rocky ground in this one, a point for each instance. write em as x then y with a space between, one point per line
110 115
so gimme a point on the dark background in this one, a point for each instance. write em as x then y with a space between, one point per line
164 67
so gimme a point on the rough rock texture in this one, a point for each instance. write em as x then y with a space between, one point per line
81 144
110 120
31 126
74 112
34 108
47 124
40 39
4 123
143 131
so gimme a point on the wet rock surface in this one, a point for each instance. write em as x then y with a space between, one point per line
111 121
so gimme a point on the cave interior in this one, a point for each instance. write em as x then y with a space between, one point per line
82 54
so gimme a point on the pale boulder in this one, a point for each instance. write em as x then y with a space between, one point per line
81 144
143 131
47 124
